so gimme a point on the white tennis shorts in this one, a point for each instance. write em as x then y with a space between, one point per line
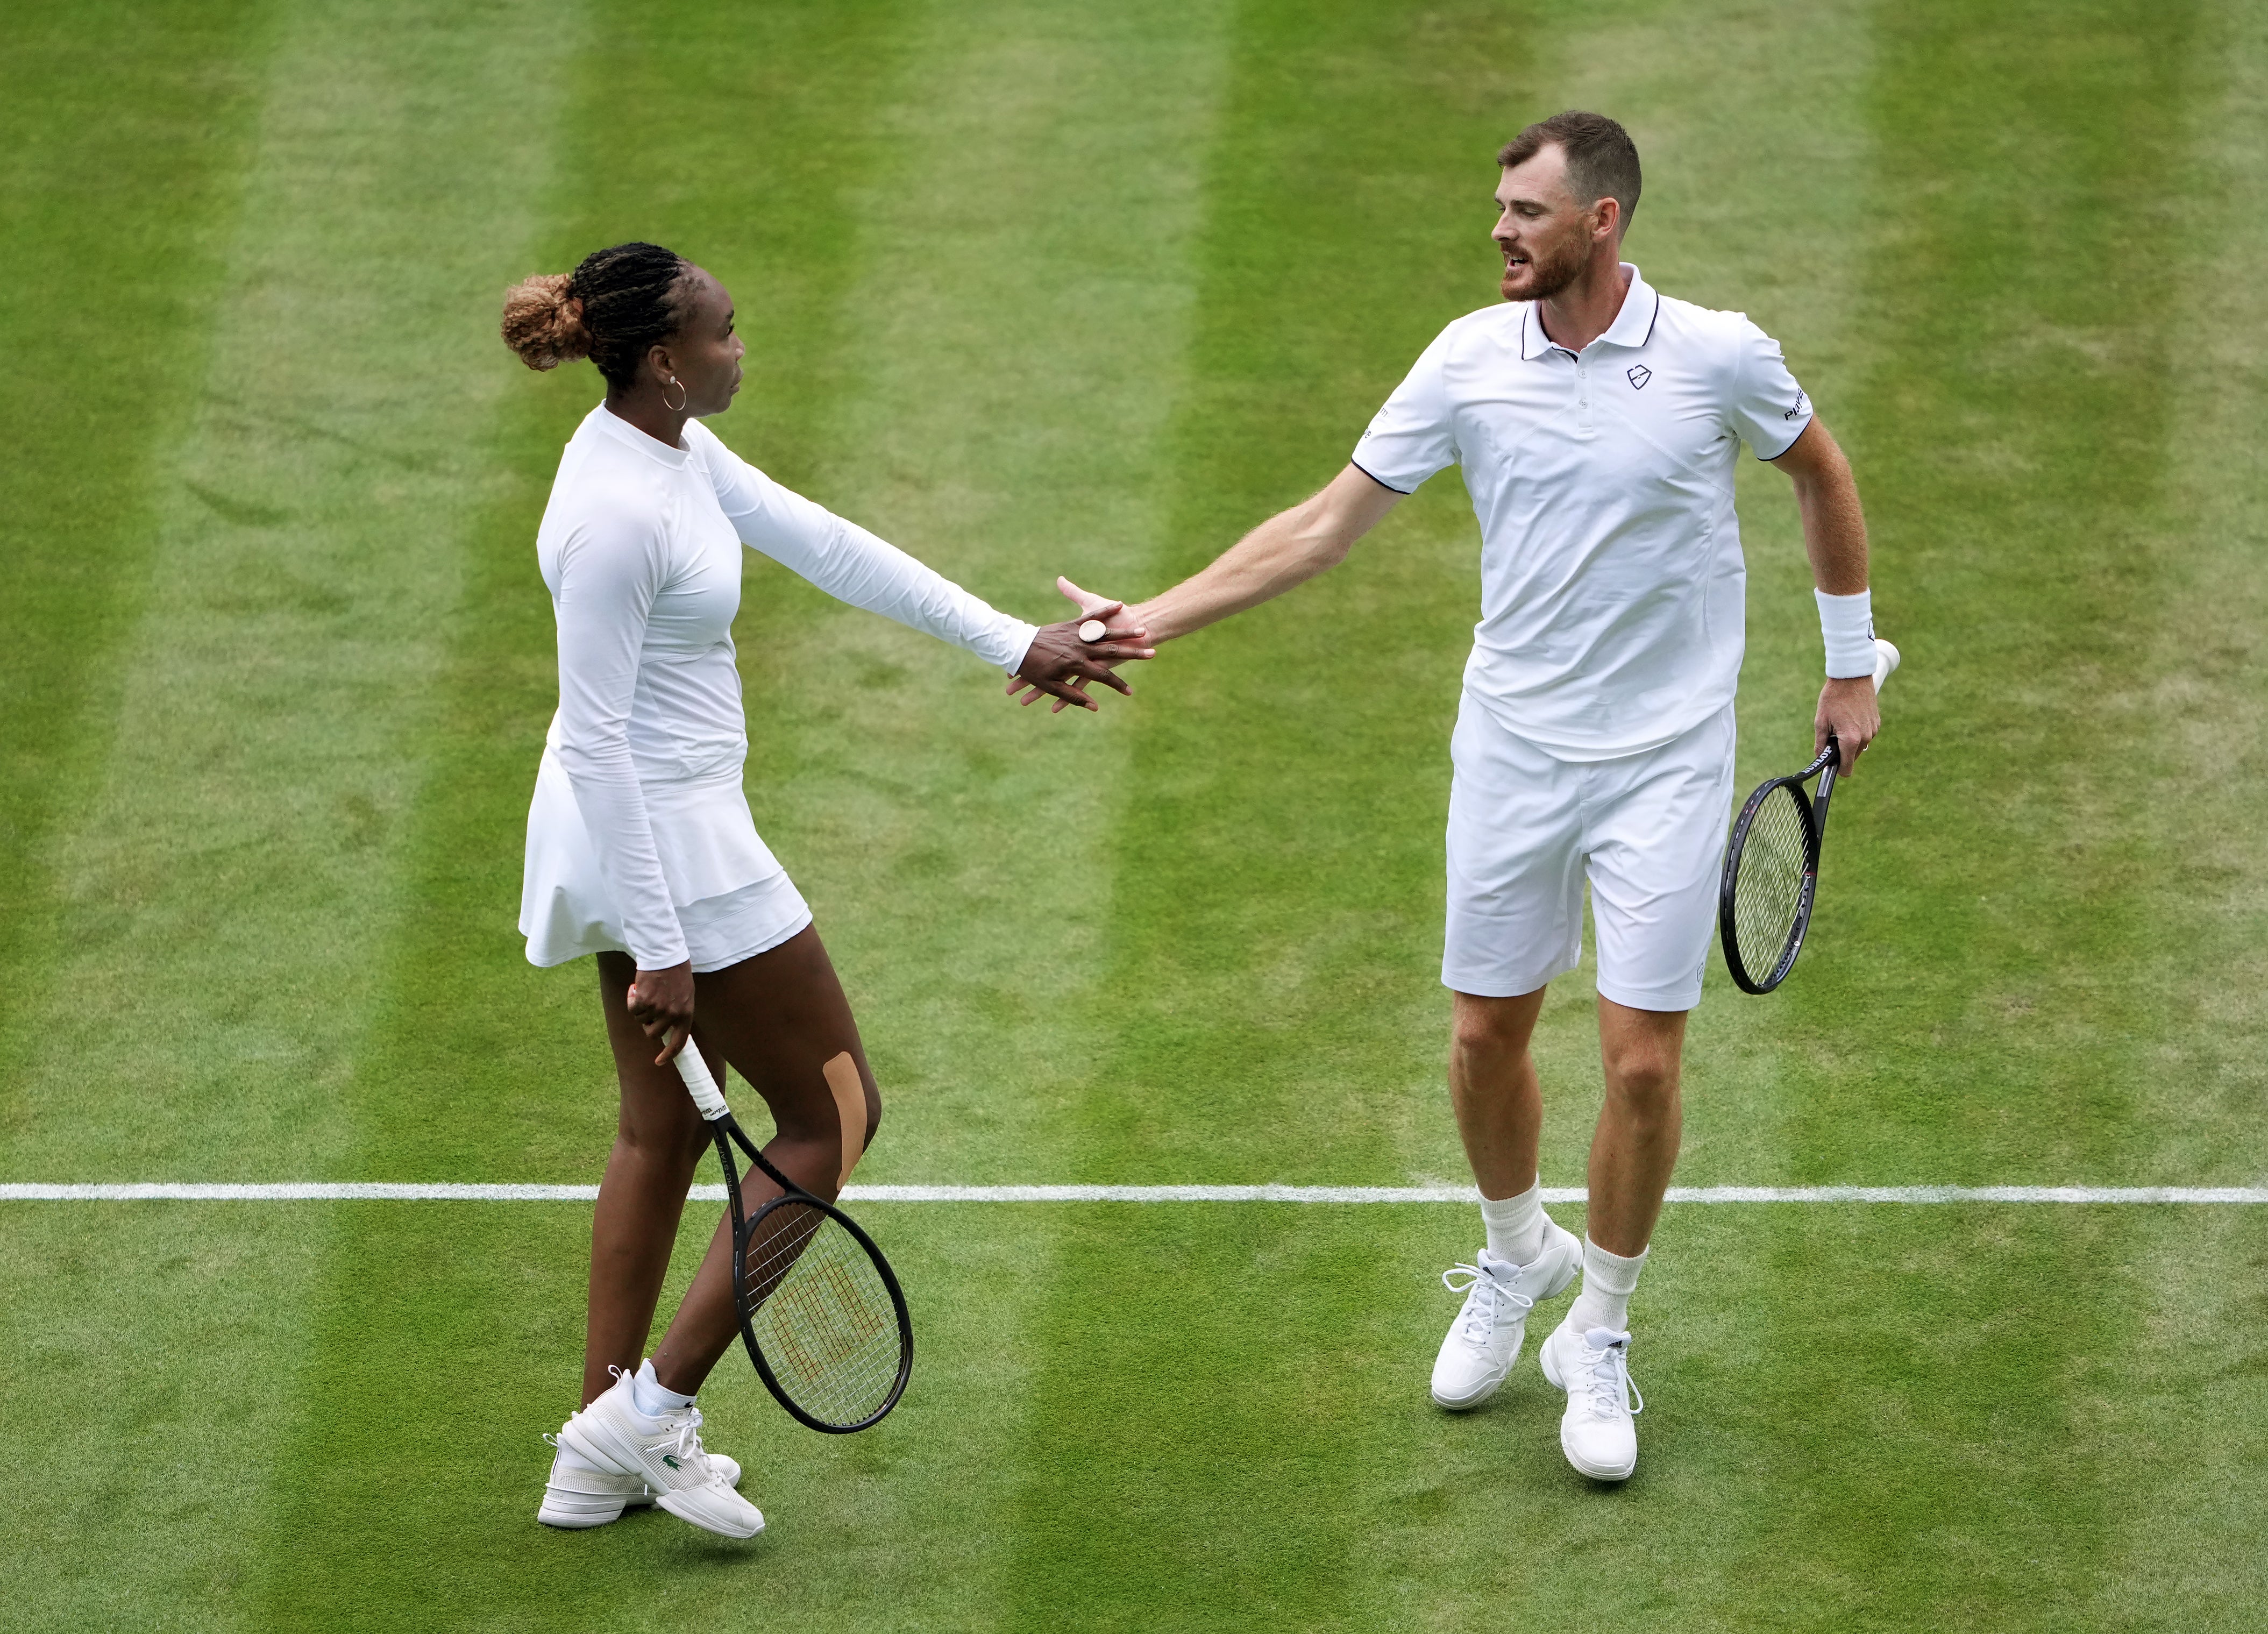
1526 830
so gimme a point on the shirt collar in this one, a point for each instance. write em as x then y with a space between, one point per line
1633 325
622 431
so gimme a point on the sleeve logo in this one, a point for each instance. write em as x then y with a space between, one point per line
1801 404
1639 377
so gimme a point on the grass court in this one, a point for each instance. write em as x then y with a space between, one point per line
1033 287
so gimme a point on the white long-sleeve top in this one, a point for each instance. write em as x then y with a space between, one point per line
640 547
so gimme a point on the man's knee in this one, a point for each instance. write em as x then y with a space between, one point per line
1642 1073
1482 1026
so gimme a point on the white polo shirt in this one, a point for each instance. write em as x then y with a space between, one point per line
1612 586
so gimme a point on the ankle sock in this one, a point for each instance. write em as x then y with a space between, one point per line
1515 1225
1608 1280
648 1397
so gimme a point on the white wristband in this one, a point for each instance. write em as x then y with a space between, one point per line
1848 624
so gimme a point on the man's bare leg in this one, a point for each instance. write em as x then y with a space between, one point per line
1494 1091
1635 1147
1500 1107
1632 1153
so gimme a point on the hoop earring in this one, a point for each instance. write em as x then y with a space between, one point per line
679 406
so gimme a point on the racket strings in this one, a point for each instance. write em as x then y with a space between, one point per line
1768 888
821 1313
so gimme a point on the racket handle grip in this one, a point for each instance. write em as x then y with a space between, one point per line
699 1083
1886 662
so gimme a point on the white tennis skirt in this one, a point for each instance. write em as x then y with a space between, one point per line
732 898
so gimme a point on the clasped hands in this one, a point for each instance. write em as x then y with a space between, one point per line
1059 664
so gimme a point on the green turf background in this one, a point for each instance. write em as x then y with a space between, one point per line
1033 288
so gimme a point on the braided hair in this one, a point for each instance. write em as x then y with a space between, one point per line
610 309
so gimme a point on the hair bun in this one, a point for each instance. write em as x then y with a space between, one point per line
543 322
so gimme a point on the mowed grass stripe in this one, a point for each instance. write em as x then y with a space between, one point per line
2013 437
1015 342
224 882
127 128
889 776
2190 1502
1203 1435
228 881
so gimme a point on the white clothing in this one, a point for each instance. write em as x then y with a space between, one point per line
643 834
1612 585
1525 829
567 909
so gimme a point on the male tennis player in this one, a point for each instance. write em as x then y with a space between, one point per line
1596 421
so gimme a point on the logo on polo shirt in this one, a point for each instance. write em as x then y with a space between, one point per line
1798 410
1639 377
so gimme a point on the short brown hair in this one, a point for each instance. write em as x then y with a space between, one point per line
1601 159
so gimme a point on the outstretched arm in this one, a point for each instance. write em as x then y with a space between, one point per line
1835 539
1288 549
853 565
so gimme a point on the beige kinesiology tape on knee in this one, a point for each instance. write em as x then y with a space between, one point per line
850 1107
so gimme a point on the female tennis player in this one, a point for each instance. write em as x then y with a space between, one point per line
641 848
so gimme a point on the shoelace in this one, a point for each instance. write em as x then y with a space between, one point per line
1607 1371
684 1431
1489 1300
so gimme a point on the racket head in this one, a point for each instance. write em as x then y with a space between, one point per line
1771 872
822 1314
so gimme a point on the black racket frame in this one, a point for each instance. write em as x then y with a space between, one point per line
1813 807
726 1130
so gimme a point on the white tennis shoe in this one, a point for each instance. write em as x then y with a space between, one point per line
666 1454
1597 1432
577 1496
1484 1342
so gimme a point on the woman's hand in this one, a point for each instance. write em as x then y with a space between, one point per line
1060 663
661 1003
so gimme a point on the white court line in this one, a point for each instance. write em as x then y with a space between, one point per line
389 1192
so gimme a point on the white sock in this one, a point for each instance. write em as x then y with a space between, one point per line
648 1397
1608 1280
1515 1225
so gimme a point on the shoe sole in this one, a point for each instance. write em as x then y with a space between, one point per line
1623 1474
687 1505
571 1511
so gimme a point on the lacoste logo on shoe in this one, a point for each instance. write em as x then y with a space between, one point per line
670 1462
1639 377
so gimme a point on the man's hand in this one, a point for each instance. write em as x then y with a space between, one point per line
1059 664
661 1003
1852 714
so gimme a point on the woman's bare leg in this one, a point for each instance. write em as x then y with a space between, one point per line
659 1139
779 1019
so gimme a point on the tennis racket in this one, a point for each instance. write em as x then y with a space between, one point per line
1772 866
820 1310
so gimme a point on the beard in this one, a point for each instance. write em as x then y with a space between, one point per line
1549 273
